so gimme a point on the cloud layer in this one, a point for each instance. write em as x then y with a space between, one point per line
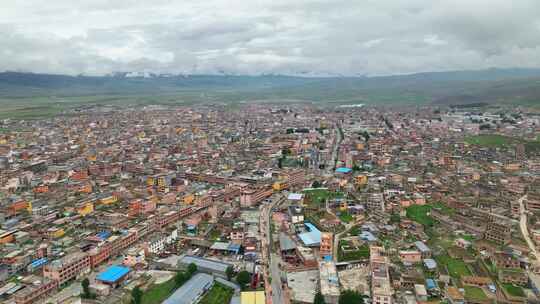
313 37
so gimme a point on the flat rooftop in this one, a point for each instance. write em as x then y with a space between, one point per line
191 290
303 285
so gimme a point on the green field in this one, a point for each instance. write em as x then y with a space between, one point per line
345 217
318 197
218 294
360 254
420 215
159 292
473 293
513 290
443 208
500 141
456 268
491 140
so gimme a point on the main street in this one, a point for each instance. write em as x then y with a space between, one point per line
523 227
271 273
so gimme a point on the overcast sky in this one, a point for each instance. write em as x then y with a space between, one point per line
346 37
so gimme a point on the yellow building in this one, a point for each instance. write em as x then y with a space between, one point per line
85 208
252 297
109 200
55 232
361 179
189 199
150 181
278 186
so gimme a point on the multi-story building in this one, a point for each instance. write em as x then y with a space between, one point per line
67 267
327 240
498 231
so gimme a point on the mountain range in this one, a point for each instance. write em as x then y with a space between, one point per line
520 86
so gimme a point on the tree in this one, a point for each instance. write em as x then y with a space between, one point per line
192 268
229 272
136 295
350 297
316 184
86 288
180 278
319 299
243 278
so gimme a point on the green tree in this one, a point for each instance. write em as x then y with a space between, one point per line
350 297
243 278
136 295
192 268
316 184
86 288
319 299
180 278
229 272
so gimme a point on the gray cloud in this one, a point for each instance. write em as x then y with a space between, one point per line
371 37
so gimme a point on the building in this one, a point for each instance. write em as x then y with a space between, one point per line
311 238
498 231
252 297
67 268
113 275
424 249
329 282
326 248
214 267
192 291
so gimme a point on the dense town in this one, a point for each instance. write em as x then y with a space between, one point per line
271 203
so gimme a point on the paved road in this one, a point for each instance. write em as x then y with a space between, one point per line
271 269
523 226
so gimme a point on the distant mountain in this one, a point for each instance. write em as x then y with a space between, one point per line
492 85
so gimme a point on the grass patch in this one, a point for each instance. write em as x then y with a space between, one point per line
443 208
218 294
159 292
360 253
456 268
345 217
420 215
318 197
475 293
491 140
513 290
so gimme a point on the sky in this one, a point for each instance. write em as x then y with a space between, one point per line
294 37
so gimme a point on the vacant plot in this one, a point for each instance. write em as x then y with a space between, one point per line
352 253
491 140
443 208
345 217
473 293
318 197
513 290
218 294
456 268
420 214
159 292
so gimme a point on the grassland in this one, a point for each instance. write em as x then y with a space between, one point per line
473 293
419 214
317 197
345 217
513 290
501 141
456 268
491 140
159 292
361 253
218 294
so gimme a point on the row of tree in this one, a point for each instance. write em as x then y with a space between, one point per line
346 297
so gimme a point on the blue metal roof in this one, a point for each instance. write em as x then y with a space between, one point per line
103 235
430 284
430 263
113 274
311 238
422 247
39 262
343 170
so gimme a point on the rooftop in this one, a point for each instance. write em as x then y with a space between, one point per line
113 274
